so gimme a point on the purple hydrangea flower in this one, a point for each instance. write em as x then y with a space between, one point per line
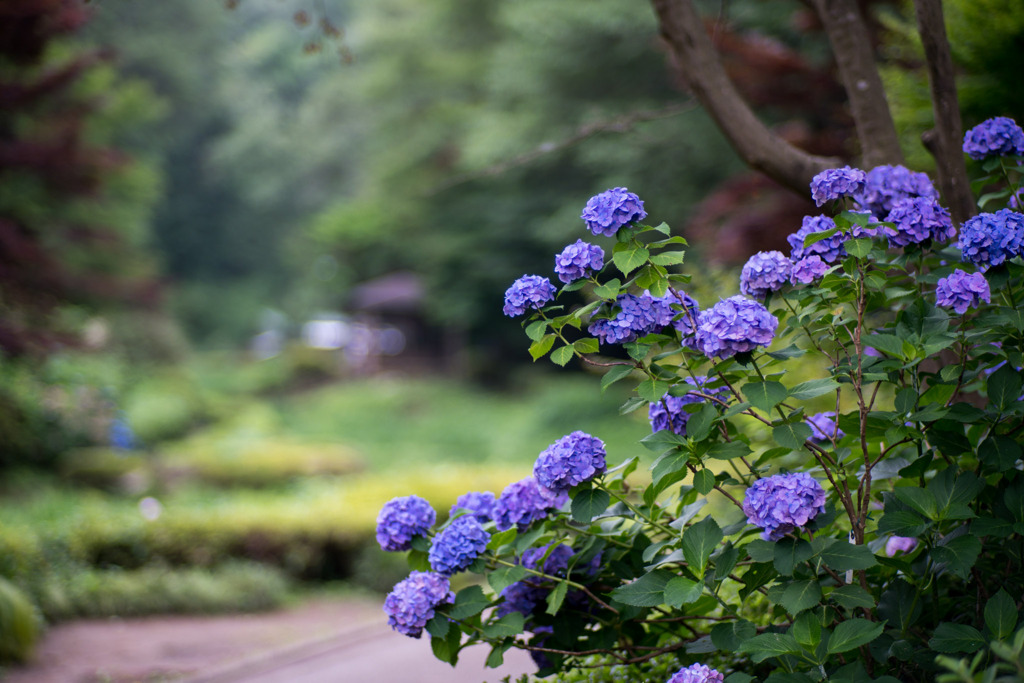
685 324
824 427
612 209
458 545
988 239
735 325
696 673
829 249
637 316
557 563
837 182
886 185
479 504
918 219
529 291
764 272
897 544
570 461
410 605
783 503
524 502
1017 199
999 136
402 519
578 260
807 270
668 413
522 597
961 291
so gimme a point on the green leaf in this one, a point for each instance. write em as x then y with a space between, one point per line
956 638
556 597
652 390
807 630
921 500
668 258
562 355
535 331
959 554
616 373
609 290
589 503
1014 499
801 595
842 556
728 450
731 635
859 247
1004 387
500 579
682 591
441 649
497 656
509 625
853 633
586 345
789 553
704 481
765 395
1001 615
469 601
761 550
768 645
1000 453
851 597
699 426
539 348
500 538
699 541
792 435
813 388
438 626
646 591
902 523
630 259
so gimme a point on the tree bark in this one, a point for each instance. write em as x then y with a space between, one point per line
945 140
852 48
697 60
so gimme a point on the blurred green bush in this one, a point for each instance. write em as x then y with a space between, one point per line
19 624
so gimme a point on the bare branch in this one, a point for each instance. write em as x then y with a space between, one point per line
698 62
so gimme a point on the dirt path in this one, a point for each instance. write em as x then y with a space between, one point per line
331 640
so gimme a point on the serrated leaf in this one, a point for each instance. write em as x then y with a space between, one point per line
765 395
859 247
842 556
556 597
646 591
562 355
589 503
852 597
789 553
682 591
920 500
731 635
1000 453
700 423
586 345
438 626
768 645
761 550
608 290
704 481
807 630
902 523
500 579
800 595
959 554
497 656
539 348
668 258
500 538
728 450
509 625
652 390
956 638
813 388
1001 615
1004 387
629 260
468 602
535 331
853 633
699 541
614 374
792 435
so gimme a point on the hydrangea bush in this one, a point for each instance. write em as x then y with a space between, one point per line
866 524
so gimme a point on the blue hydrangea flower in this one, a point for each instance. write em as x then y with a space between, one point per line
735 325
522 597
886 185
458 545
783 503
837 182
524 502
410 605
918 219
764 272
824 427
807 270
1017 199
529 291
121 435
961 291
479 504
696 673
402 519
999 136
570 461
668 413
578 260
988 239
612 209
557 563
899 544
829 249
685 323
636 316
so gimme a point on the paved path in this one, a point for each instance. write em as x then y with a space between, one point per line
334 641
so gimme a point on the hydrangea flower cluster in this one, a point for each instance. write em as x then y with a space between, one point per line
824 427
807 270
557 563
522 597
529 291
636 317
410 605
525 501
570 461
578 260
765 272
696 673
837 182
402 519
988 239
961 291
999 136
668 413
783 503
918 219
735 325
605 213
829 249
458 545
479 504
886 185
897 544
